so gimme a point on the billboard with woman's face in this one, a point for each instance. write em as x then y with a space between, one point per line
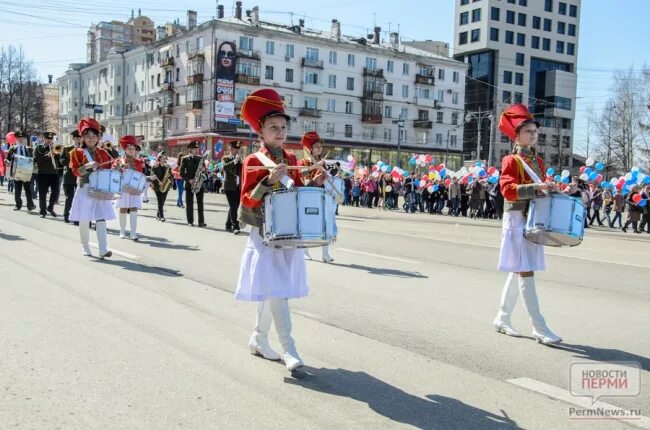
226 71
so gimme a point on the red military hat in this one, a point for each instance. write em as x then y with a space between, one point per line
513 118
128 140
260 105
88 124
309 138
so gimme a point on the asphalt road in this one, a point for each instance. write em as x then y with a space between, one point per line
396 333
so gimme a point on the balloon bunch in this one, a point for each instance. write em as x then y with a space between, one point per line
421 160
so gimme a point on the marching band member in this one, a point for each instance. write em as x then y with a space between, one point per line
519 256
146 169
192 168
129 203
85 208
47 163
69 179
232 164
162 180
269 276
312 146
21 148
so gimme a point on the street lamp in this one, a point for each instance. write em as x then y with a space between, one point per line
400 128
448 133
480 116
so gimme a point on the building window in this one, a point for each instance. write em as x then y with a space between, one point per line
368 133
547 24
572 30
348 130
371 63
199 45
312 54
534 42
537 22
405 68
494 34
464 18
311 102
348 107
464 2
518 97
548 5
476 35
270 47
510 37
453 140
519 78
441 74
268 72
390 66
523 3
559 47
454 118
546 44
438 139
332 58
198 119
288 76
351 60
519 58
510 17
405 91
329 129
561 8
289 51
388 111
462 38
350 84
308 126
440 117
454 98
521 39
570 48
506 97
331 105
441 96
521 19
494 13
387 134
454 77
573 10
311 78
389 89
476 15
560 27
246 43
507 77
331 81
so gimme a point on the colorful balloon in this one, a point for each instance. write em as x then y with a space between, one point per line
642 203
637 198
600 166
589 162
550 171
10 138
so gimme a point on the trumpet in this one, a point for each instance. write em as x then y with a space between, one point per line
57 149
108 146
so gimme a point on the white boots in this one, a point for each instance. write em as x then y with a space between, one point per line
326 254
84 235
122 225
133 218
259 341
102 239
502 323
282 320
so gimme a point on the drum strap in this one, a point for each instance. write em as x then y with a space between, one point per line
529 170
88 156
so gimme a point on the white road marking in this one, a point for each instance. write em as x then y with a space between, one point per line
117 252
584 402
385 257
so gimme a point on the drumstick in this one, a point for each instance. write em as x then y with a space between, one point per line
288 167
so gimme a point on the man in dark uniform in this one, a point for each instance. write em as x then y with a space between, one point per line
232 164
189 167
21 148
48 165
69 179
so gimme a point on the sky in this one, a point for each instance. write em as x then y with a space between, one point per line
614 34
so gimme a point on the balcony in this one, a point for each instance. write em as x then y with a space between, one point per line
247 79
167 86
255 55
197 78
373 95
167 62
372 118
422 123
378 73
314 113
167 110
424 80
194 105
309 62
194 53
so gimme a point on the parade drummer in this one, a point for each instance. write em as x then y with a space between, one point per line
20 148
85 208
129 203
312 146
518 256
269 276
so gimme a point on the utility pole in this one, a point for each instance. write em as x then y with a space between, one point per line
479 117
400 130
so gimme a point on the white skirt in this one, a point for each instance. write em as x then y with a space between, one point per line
267 273
518 254
128 201
86 208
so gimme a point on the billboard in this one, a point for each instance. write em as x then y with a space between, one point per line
225 93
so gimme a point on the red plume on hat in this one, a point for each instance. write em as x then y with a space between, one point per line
260 105
513 118
128 140
88 124
309 139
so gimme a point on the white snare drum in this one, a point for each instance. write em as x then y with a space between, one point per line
133 182
555 220
336 187
299 218
23 167
105 184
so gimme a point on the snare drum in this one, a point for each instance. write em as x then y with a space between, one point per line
104 184
555 220
336 187
299 218
23 168
133 182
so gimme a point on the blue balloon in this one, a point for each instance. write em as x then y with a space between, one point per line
599 166
412 161
557 178
588 170
550 171
470 179
642 203
646 180
635 173
389 169
630 182
566 180
406 173
625 190
482 173
436 187
417 182
478 164
443 173
493 179
593 176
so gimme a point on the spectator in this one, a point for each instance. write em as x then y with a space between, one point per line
645 216
634 212
356 192
619 207
454 195
596 199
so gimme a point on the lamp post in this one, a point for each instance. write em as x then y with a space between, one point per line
480 116
448 135
400 128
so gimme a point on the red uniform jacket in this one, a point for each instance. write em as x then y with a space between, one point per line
130 163
513 175
78 159
251 178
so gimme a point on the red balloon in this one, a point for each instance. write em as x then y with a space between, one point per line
428 158
637 198
491 170
440 167
11 139
582 169
447 181
425 178
375 168
619 186
431 168
599 178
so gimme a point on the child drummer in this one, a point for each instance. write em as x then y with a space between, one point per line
519 256
85 208
129 203
269 276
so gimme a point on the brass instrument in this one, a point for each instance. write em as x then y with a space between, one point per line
166 182
57 149
199 177
108 146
